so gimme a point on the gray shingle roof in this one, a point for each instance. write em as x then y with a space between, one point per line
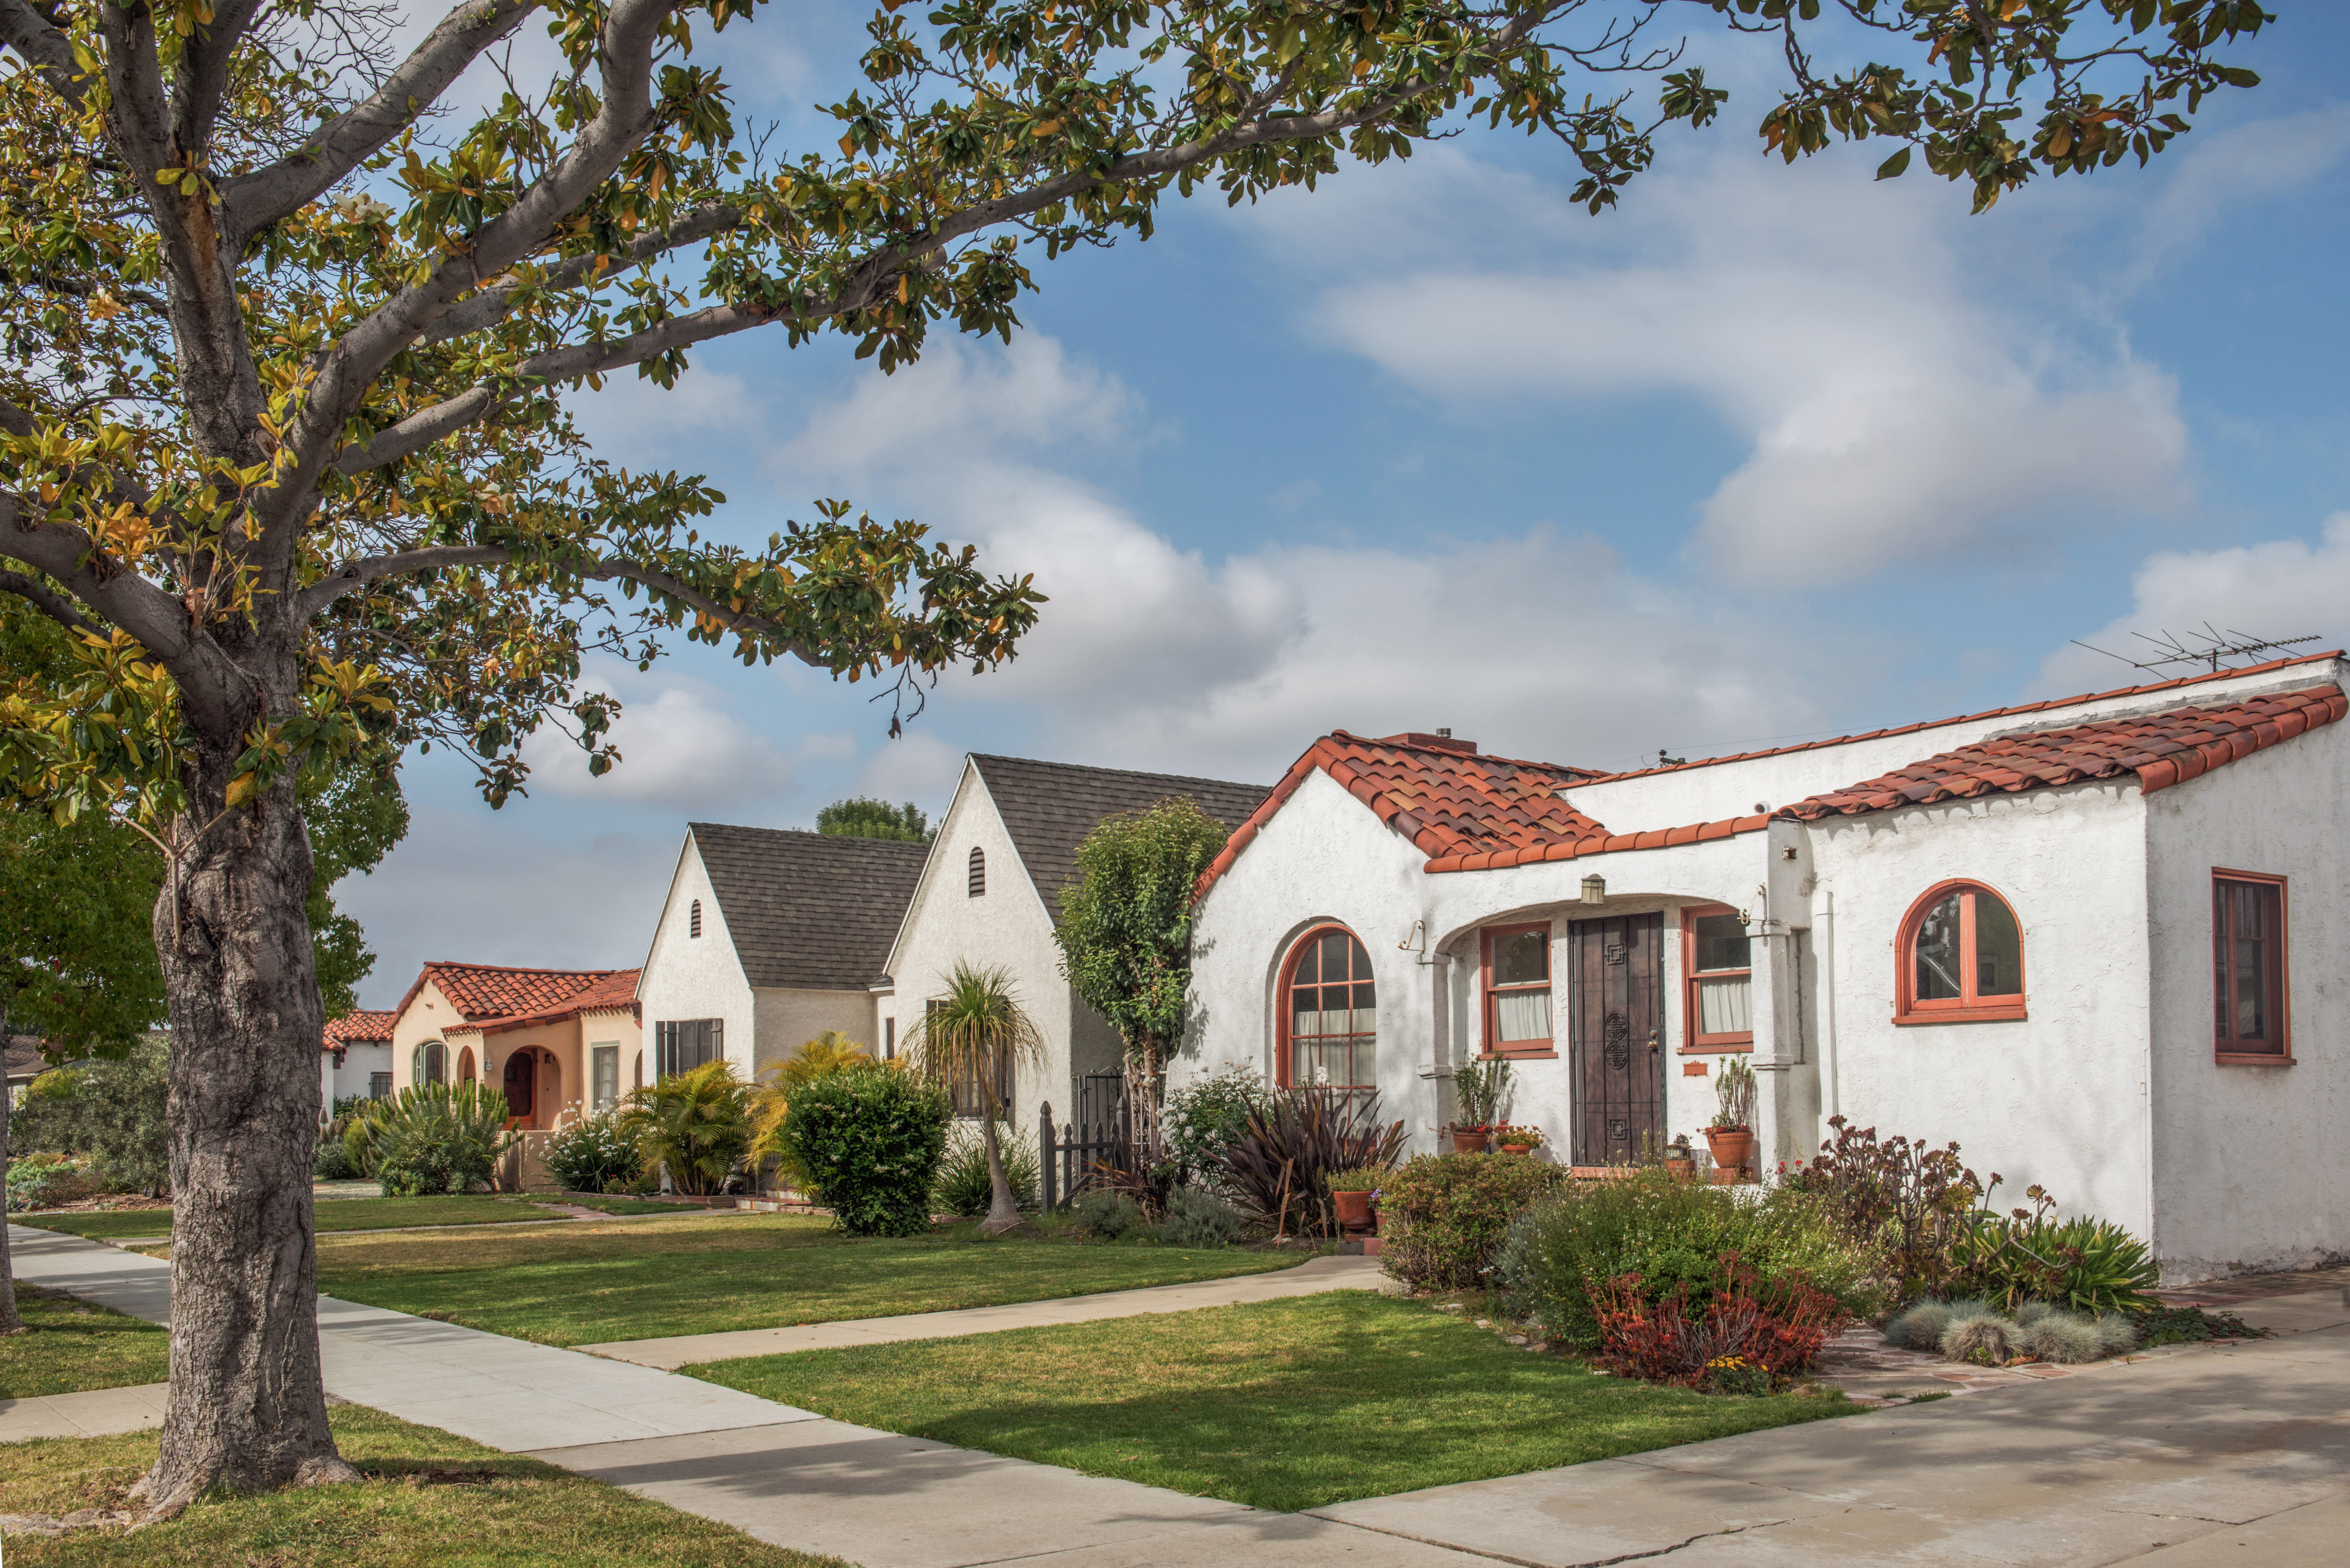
1050 807
809 911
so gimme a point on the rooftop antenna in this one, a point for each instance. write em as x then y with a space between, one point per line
2210 648
1665 762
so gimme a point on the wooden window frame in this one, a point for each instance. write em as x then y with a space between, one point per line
674 1037
1283 1022
2280 999
1692 1043
1491 1047
1966 1007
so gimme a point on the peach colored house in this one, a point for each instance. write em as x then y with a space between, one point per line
562 1044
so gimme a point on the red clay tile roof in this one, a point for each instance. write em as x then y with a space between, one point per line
1972 718
480 991
1442 794
359 1027
614 990
2162 749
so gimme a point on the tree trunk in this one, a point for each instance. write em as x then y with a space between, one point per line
248 1408
10 1323
1002 1209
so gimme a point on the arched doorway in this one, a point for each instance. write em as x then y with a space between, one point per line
465 1065
522 1079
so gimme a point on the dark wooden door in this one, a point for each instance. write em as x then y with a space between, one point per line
1617 1020
522 1078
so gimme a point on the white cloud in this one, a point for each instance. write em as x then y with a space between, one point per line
1893 408
679 747
2216 171
2277 588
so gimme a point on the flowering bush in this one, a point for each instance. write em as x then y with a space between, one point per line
1507 1135
1747 1336
1913 1205
1446 1214
47 1180
597 1154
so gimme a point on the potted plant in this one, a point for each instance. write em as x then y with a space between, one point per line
1731 1134
1517 1139
1352 1193
1482 1090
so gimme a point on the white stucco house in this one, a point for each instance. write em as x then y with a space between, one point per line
355 1063
769 936
2098 941
989 896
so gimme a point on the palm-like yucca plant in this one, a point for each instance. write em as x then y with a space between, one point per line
977 1035
771 1102
431 1138
697 1124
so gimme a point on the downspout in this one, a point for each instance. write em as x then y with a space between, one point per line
1825 939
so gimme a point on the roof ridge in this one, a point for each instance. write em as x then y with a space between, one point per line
1118 773
1400 744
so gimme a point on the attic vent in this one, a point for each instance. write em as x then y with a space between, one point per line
693 920
978 872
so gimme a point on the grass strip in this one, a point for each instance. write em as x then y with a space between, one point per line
591 1282
427 1497
1282 1405
71 1348
337 1214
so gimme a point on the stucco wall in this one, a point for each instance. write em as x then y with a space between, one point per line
1008 927
425 1018
2060 1097
1732 789
787 1020
2242 1175
688 977
358 1061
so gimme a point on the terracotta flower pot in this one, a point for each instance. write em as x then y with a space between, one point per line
1354 1210
1681 1170
1734 1147
1467 1141
1517 1149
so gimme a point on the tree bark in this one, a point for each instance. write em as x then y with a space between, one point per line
10 1323
247 1409
1002 1209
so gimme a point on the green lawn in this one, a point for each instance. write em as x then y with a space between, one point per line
74 1347
334 1214
1283 1404
648 1279
428 1497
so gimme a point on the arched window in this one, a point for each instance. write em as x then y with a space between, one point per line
1962 958
1330 1015
693 920
978 872
431 1064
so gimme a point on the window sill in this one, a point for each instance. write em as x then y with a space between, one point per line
2249 1059
1508 1054
1971 1016
1715 1049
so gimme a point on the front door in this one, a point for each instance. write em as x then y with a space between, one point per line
1617 1063
522 1077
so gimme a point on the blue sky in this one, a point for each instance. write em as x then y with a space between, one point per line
1767 452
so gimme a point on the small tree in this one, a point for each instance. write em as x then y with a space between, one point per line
1126 939
978 1035
697 1124
864 817
771 1103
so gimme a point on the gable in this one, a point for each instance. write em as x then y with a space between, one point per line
808 912
1049 808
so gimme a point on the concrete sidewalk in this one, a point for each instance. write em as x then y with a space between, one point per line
1309 1278
99 1413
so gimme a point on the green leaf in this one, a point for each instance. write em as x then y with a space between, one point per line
1893 167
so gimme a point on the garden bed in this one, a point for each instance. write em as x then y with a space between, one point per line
1283 1404
427 1497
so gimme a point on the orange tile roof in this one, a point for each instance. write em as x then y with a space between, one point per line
2183 680
496 995
2162 749
1442 794
359 1027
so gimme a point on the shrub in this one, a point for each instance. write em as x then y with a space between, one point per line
2090 1265
1672 1235
1195 1219
964 1185
1362 1178
1742 1334
696 1125
1975 1331
113 1111
330 1160
870 1144
1293 1141
1914 1206
1106 1214
594 1154
48 1182
430 1138
1446 1215
1201 1121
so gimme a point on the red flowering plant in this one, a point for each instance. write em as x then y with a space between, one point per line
1751 1333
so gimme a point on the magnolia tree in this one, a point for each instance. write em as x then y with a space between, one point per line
290 330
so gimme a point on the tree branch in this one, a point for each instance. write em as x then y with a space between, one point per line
252 202
65 555
493 305
55 605
25 30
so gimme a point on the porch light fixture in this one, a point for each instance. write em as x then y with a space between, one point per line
1594 889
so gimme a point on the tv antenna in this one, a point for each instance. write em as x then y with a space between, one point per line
2210 648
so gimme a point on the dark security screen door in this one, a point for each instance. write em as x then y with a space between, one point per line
1615 1003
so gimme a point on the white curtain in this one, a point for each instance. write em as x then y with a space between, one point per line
1726 1006
1523 1015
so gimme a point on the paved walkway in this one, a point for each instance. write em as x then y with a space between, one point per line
99 1413
1309 1278
2180 1458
